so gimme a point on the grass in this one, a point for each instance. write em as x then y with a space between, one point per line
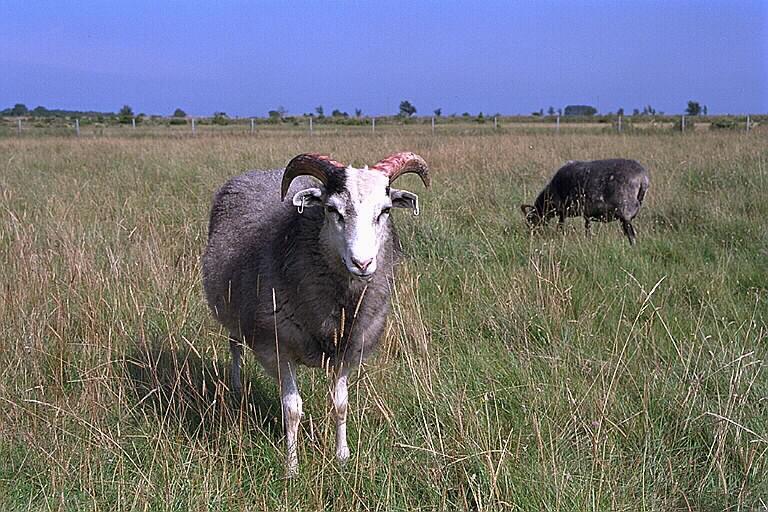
519 371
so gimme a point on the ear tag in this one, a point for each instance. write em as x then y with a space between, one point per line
416 208
301 206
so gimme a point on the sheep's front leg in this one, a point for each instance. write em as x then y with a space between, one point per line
561 219
587 226
289 396
340 399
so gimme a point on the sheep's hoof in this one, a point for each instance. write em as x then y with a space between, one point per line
342 454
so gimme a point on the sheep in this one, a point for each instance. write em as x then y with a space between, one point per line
602 190
309 285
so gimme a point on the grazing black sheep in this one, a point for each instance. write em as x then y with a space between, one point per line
312 286
601 190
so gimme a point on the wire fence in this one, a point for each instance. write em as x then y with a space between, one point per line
435 126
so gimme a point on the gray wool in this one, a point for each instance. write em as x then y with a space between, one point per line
271 279
602 190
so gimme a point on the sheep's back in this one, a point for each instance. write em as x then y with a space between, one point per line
612 180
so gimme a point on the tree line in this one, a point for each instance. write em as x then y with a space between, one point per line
406 110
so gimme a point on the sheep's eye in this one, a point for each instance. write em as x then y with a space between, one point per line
333 211
384 211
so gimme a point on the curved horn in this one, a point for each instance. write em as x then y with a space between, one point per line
310 164
398 164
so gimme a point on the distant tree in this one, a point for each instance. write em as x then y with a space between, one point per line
319 111
551 110
40 111
620 112
535 114
407 109
649 111
704 110
278 114
635 112
179 113
338 113
19 109
580 110
358 113
125 114
220 118
559 111
480 117
465 114
438 112
693 109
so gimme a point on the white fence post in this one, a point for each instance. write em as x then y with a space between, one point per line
557 125
682 123
133 122
747 123
433 125
495 123
253 125
619 124
77 127
311 129
18 126
373 125
193 126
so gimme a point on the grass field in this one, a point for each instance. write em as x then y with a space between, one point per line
519 371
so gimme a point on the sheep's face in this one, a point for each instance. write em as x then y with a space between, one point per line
357 209
532 215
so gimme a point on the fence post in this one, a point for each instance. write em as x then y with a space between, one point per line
433 125
682 123
77 127
557 126
311 129
619 124
747 123
193 126
373 125
133 122
495 123
253 125
18 126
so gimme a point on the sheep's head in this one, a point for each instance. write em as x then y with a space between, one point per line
532 215
357 202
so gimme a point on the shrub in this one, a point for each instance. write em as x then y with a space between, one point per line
723 123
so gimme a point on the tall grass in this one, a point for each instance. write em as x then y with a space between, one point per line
545 371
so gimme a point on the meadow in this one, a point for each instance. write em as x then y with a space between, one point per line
519 370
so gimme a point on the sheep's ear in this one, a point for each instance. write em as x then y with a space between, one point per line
308 197
404 199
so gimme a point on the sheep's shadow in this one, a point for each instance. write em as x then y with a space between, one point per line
180 385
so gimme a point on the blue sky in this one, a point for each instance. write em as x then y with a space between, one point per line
245 58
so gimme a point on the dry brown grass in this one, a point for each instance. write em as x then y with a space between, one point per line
520 371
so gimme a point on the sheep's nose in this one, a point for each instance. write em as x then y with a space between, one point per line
362 265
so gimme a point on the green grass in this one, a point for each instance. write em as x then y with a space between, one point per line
544 371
